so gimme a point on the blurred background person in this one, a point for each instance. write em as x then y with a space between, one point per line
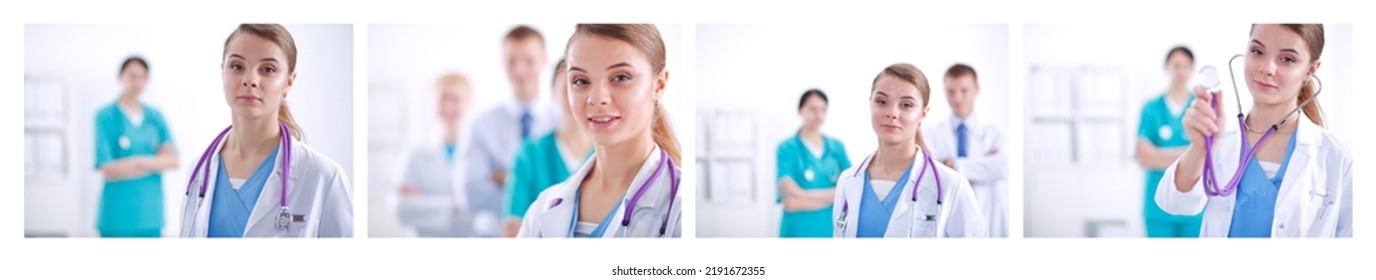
1161 140
973 146
132 147
809 164
432 194
547 160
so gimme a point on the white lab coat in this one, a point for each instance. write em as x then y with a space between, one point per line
551 214
987 173
318 189
1315 200
439 208
958 216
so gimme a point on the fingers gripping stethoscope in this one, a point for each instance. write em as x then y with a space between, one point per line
665 163
1209 78
929 164
284 215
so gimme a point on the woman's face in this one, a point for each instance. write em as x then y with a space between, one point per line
896 110
814 112
1180 67
134 78
612 89
453 101
1277 65
255 76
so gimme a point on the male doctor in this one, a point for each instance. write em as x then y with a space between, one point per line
973 147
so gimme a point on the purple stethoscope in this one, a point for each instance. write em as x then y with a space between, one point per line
1209 78
284 216
930 164
665 163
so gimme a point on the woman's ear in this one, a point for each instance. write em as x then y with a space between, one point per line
661 82
291 80
1314 67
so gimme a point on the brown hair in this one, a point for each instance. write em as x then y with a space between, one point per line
646 39
962 70
1313 37
912 75
277 34
560 67
522 32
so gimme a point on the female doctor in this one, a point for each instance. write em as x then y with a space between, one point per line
629 188
257 178
1297 184
899 191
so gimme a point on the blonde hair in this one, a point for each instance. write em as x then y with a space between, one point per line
452 79
646 39
277 34
912 75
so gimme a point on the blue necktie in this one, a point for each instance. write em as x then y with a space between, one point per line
526 119
961 139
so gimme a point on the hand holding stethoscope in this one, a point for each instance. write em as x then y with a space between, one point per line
1204 120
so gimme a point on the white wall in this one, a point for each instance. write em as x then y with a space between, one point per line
184 83
405 60
764 69
1060 198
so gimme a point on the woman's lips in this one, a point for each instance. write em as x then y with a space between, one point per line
603 121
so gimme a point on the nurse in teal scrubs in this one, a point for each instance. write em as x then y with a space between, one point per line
809 164
547 160
1161 140
133 146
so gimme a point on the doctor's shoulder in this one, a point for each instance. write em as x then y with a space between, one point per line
1338 149
316 163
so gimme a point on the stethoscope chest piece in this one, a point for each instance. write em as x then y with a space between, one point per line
284 219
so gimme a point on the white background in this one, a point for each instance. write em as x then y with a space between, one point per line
1016 258
184 83
404 63
763 70
1062 197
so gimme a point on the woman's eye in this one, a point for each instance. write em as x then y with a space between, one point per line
236 67
622 77
1256 52
881 101
580 82
907 105
1288 59
270 69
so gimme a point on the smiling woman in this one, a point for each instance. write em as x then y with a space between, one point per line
259 180
616 78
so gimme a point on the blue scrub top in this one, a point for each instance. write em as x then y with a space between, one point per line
538 166
1163 130
1255 208
875 213
601 227
230 210
796 162
133 204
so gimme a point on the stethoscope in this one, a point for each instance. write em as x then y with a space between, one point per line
1209 78
929 163
284 216
665 163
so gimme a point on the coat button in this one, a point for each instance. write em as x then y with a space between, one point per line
1282 226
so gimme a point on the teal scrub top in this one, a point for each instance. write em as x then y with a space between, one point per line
796 162
1163 130
133 204
538 166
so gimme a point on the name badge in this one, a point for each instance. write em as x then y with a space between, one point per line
298 218
1166 132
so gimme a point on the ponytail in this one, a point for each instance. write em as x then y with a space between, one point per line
918 140
1312 109
664 134
284 116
